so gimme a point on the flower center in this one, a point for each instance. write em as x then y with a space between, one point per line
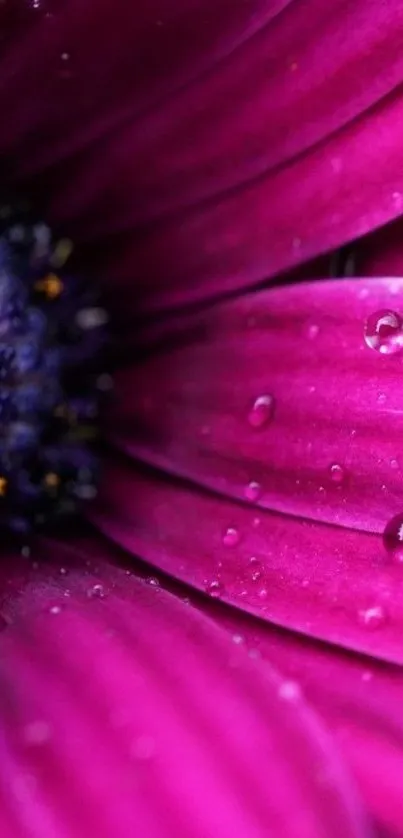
52 331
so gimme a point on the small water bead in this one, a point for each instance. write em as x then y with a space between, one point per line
393 538
384 332
238 639
153 581
55 609
261 412
253 491
373 617
255 569
337 473
214 588
97 591
231 537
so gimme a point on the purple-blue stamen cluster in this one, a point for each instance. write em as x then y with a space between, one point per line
52 331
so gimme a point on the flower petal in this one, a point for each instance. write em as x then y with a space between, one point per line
276 400
106 701
70 74
270 401
359 698
321 580
298 79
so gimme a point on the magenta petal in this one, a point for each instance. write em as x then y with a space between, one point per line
359 698
69 74
321 580
133 714
298 79
275 400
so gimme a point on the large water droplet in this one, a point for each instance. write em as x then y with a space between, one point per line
337 473
393 538
214 588
373 617
253 491
231 537
384 332
261 412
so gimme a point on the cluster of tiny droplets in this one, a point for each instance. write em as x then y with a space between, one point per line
52 332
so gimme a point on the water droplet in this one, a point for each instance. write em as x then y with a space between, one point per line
214 588
238 639
289 691
337 473
63 571
253 491
263 593
153 581
393 538
26 551
367 675
381 398
261 411
55 609
394 464
65 56
231 537
255 568
96 592
384 332
373 617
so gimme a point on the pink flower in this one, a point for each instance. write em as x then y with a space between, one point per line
218 650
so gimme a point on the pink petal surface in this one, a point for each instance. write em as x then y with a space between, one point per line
69 73
274 399
109 699
320 580
359 698
253 232
62 89
298 79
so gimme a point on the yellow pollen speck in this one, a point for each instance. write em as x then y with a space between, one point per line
52 480
3 486
51 285
61 253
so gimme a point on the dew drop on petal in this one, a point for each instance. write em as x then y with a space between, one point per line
393 538
384 332
238 639
373 617
96 592
231 537
153 581
263 593
337 473
55 609
253 491
261 412
214 588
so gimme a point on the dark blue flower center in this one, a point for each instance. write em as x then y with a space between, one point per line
52 332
